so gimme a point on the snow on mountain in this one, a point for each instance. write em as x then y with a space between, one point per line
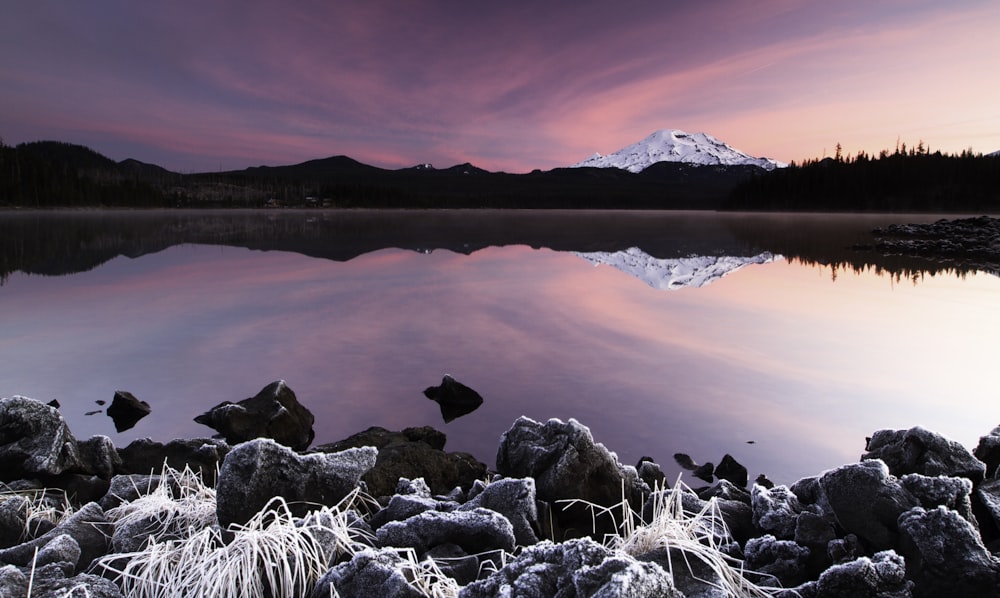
671 145
674 274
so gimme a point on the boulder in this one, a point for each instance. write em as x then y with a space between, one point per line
866 501
88 527
775 510
34 440
454 398
988 451
951 492
475 531
99 457
574 568
514 498
255 472
367 570
61 549
404 506
412 453
919 450
126 410
945 556
146 457
988 497
732 471
783 559
273 413
881 576
13 520
127 488
567 464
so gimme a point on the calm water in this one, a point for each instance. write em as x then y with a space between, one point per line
359 312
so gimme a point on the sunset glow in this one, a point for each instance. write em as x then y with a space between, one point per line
506 86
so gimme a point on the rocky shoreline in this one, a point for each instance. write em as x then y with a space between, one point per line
557 515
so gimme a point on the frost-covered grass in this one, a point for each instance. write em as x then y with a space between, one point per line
678 531
426 577
43 503
273 554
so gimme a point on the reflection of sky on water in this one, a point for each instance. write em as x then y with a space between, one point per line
777 354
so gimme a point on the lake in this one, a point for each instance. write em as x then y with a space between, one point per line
787 363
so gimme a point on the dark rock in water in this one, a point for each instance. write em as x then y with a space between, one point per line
126 410
882 575
685 461
579 567
762 480
413 453
365 571
475 531
34 440
731 470
784 559
919 450
88 527
454 398
988 451
202 455
705 472
867 501
567 464
274 413
514 499
945 556
54 403
650 472
255 472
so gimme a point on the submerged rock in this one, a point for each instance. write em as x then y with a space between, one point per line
454 398
274 413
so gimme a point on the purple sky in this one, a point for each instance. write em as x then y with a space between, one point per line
504 85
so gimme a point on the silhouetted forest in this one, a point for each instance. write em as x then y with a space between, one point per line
904 180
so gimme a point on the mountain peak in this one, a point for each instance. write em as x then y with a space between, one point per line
674 145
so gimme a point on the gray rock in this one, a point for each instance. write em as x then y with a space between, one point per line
127 488
775 510
13 521
34 440
404 506
881 576
866 501
814 530
919 450
807 490
724 489
732 471
950 492
412 453
783 559
988 451
366 571
145 457
945 556
61 549
52 580
99 457
416 487
567 464
475 531
705 471
989 497
843 550
514 498
255 472
273 413
575 568
88 527
454 398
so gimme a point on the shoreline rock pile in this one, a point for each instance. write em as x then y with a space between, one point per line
918 515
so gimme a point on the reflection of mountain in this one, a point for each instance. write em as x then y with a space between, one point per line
676 273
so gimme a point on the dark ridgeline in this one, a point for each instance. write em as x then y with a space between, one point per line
56 174
913 180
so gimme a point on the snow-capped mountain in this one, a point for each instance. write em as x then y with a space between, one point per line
674 274
671 145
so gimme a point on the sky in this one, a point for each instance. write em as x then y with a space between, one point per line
512 86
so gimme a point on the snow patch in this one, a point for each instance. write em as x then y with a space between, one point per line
678 273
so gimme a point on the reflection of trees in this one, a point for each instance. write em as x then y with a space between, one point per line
55 243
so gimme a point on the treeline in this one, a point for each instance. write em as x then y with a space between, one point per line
899 181
55 174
